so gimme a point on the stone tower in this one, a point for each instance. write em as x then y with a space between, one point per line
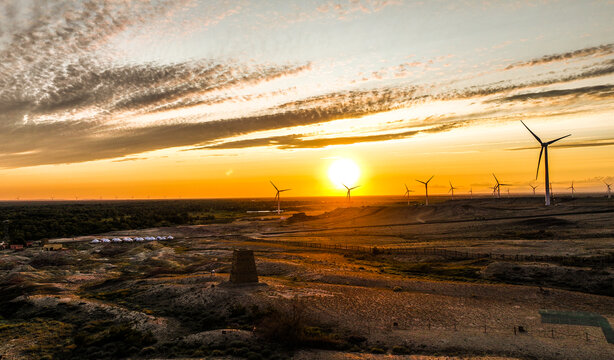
243 267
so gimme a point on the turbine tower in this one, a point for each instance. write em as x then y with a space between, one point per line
277 197
609 189
426 189
452 188
533 187
544 150
347 196
573 189
407 191
497 187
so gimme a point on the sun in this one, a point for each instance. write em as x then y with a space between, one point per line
343 172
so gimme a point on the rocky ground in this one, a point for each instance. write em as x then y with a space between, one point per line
171 299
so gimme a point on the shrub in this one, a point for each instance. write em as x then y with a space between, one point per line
376 350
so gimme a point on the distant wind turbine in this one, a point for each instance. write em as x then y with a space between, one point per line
573 189
407 191
471 193
498 186
426 189
544 150
533 187
609 189
277 196
347 196
452 188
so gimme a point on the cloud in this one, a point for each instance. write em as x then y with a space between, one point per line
130 159
299 141
584 143
65 97
601 50
602 91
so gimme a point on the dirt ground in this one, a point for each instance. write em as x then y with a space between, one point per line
354 304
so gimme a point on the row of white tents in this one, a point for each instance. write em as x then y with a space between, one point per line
134 239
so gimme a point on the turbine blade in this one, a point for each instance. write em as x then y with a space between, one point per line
406 188
497 180
346 186
354 187
431 178
273 185
532 133
421 182
538 162
555 140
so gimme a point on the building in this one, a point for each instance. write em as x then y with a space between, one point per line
16 246
52 247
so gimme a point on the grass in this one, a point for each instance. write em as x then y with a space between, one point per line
464 270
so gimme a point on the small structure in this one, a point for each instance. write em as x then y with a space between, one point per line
16 246
243 267
52 247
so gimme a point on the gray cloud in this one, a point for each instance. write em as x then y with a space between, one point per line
605 49
602 91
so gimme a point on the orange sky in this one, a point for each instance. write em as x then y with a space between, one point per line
206 99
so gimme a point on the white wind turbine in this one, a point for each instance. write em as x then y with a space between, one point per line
407 191
347 195
609 189
452 188
426 188
277 196
544 150
497 187
573 190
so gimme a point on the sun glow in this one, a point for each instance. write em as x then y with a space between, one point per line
343 172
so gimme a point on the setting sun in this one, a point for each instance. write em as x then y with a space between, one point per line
343 172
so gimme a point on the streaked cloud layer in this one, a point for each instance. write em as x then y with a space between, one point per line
83 81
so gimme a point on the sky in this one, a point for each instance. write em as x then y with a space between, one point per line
207 99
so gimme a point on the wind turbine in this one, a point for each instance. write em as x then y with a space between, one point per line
533 187
544 150
452 188
426 188
471 193
609 189
498 186
277 196
573 189
407 191
347 196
